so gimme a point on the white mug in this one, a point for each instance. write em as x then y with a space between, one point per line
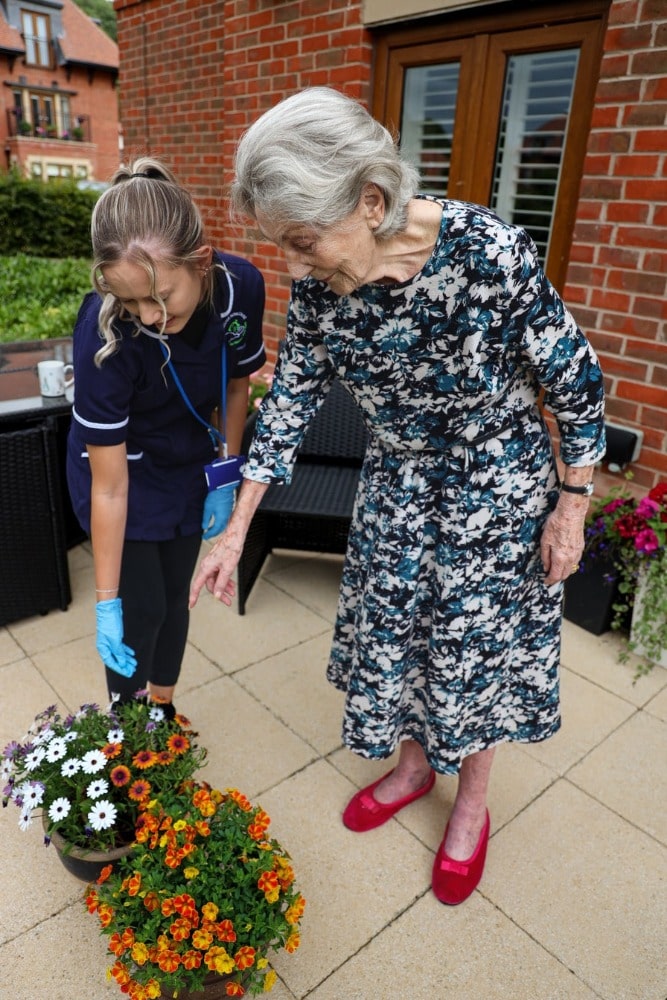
53 379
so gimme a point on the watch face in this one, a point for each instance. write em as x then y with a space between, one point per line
589 490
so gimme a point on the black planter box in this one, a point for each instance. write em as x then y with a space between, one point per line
589 596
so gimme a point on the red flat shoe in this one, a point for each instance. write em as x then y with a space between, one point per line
454 881
364 812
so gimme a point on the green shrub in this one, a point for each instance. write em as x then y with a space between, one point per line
39 298
44 220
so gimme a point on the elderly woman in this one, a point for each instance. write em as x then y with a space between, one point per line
439 320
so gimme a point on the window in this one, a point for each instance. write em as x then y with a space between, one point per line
36 34
495 109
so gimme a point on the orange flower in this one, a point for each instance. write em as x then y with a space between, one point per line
234 990
139 790
240 799
105 914
120 973
269 885
168 907
164 757
92 901
168 961
127 937
183 721
153 989
293 942
151 901
144 759
116 946
111 750
244 957
191 959
202 828
104 874
178 743
294 912
120 775
180 929
224 931
134 884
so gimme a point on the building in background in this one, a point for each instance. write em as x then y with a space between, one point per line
59 73
553 113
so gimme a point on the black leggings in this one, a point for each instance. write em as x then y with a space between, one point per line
154 588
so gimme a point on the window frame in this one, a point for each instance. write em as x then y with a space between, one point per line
484 40
41 44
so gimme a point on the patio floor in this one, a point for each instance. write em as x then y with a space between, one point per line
572 904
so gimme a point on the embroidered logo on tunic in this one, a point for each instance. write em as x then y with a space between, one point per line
237 328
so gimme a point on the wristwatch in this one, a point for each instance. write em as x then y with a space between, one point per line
583 491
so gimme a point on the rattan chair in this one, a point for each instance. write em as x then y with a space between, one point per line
314 512
33 552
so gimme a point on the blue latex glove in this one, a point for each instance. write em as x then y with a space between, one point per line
218 508
115 654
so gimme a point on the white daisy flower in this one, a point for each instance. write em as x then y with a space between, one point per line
93 761
59 809
70 767
32 793
34 758
97 788
56 749
43 736
156 714
71 735
25 820
102 815
115 735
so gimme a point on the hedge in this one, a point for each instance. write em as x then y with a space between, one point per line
44 220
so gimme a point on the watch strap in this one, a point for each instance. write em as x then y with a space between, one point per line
586 490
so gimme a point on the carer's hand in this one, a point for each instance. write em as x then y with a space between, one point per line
115 654
562 542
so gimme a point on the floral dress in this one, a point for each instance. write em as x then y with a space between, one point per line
446 633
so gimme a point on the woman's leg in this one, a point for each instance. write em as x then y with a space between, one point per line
178 558
469 811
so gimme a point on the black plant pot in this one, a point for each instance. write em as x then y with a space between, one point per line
590 595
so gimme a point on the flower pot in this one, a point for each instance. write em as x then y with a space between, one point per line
84 864
215 988
658 652
590 595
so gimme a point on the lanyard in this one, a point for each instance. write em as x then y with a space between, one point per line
214 433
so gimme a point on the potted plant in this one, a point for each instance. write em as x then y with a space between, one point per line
25 127
90 773
200 899
631 534
77 133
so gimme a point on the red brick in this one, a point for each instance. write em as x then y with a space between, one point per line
618 366
645 115
627 211
636 36
653 418
651 395
627 91
636 166
624 13
641 282
621 409
650 140
653 63
642 236
609 142
632 326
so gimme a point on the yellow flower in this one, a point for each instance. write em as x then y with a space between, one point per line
262 963
179 825
191 872
209 911
269 980
139 953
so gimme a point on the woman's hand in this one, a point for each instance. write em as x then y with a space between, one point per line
562 541
217 568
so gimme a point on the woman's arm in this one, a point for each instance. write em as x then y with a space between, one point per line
108 515
562 542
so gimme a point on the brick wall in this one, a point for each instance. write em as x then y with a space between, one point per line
617 279
195 73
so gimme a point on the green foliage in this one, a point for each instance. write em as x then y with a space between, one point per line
44 220
102 11
39 298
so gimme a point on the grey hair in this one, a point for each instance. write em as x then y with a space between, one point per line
147 218
308 159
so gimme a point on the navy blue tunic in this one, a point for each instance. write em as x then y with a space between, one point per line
132 399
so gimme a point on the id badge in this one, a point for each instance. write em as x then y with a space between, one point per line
224 472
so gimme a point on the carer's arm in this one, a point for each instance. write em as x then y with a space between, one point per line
218 566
